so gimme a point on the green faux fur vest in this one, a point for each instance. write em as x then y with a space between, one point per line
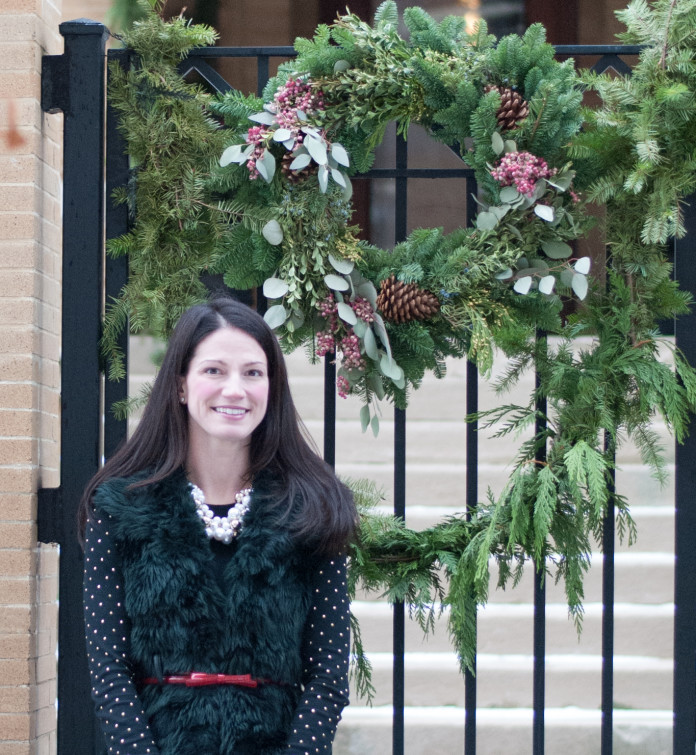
250 621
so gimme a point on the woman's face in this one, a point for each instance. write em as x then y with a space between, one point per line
225 389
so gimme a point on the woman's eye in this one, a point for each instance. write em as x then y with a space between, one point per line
212 371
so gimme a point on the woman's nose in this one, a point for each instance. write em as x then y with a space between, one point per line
233 385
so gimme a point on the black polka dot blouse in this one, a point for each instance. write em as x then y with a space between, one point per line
325 653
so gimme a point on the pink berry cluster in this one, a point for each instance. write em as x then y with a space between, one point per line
255 136
331 340
296 95
363 309
292 96
343 386
523 170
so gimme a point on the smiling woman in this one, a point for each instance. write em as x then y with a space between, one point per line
215 546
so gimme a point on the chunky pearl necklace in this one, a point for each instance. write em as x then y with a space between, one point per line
222 528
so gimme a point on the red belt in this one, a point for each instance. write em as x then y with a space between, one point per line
201 679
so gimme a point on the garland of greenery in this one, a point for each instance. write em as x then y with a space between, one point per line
266 202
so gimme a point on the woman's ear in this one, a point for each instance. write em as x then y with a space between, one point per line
182 391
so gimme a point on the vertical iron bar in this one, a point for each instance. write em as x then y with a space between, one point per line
116 270
399 622
684 705
330 409
472 377
608 548
539 676
262 73
471 501
83 229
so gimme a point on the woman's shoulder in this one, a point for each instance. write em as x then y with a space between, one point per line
116 495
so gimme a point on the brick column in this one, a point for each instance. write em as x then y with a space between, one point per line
30 250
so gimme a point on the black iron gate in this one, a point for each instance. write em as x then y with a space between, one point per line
74 84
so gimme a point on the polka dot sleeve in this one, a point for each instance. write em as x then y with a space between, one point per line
117 705
326 658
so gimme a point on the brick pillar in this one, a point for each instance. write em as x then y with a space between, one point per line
30 239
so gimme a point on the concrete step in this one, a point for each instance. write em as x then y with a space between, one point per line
571 731
639 630
506 681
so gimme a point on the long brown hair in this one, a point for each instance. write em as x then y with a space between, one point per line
279 446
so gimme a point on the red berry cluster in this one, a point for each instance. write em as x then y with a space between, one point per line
523 170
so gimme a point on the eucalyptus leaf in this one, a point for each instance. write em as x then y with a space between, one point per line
364 417
505 274
272 232
510 146
265 118
282 134
389 367
360 327
301 115
539 264
338 177
500 211
522 285
381 331
301 161
341 65
486 221
323 177
545 212
562 181
289 144
347 192
579 285
376 385
339 154
546 284
266 165
522 262
556 250
274 288
233 154
509 194
346 313
583 265
297 317
342 266
567 276
497 143
374 425
317 149
336 282
276 315
371 345
368 291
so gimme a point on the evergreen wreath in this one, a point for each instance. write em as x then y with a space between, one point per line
266 202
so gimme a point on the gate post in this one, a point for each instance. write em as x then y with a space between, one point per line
74 83
684 705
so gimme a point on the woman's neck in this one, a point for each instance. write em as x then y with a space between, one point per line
219 476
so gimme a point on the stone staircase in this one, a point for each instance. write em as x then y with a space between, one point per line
434 716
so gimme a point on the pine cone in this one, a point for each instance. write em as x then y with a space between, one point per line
295 176
402 302
513 107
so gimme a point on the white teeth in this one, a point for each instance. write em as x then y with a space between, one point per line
224 410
